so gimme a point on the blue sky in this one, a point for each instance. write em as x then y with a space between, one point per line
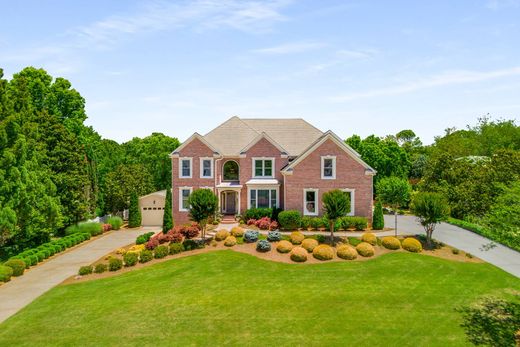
358 67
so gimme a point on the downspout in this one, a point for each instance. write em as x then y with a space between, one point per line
216 179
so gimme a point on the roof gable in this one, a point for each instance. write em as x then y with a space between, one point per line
268 138
189 140
326 136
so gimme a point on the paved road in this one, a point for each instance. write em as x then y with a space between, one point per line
20 291
487 250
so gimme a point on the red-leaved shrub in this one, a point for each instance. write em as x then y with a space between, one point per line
107 227
273 225
163 238
263 223
152 243
175 235
190 231
251 221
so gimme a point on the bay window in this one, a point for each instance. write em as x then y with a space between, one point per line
263 198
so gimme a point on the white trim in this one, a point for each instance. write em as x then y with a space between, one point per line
329 135
253 171
257 188
180 167
352 201
175 153
201 167
316 202
268 138
180 197
333 177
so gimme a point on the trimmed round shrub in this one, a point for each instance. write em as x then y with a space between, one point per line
27 262
130 258
34 259
221 235
100 268
115 222
412 245
192 244
237 231
161 251
41 256
346 252
176 248
145 256
85 270
297 237
17 265
251 236
45 251
289 220
365 249
369 238
391 242
323 252
115 264
5 273
230 241
284 246
298 254
309 244
274 236
263 246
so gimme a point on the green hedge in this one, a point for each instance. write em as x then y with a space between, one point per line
506 239
257 213
289 220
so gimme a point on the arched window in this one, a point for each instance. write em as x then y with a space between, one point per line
230 171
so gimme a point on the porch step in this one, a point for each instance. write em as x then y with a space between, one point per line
228 221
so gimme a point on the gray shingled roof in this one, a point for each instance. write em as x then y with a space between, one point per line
294 134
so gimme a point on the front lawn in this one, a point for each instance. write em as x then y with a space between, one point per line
225 297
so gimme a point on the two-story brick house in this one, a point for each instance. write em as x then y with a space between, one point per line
285 163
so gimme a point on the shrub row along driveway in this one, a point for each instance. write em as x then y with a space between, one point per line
22 290
487 250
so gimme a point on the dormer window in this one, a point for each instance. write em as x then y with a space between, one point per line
263 167
328 167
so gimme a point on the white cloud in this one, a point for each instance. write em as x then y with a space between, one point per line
290 48
501 4
448 78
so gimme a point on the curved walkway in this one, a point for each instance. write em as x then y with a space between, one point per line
20 291
492 252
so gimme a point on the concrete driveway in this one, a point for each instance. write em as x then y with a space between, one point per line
487 250
20 291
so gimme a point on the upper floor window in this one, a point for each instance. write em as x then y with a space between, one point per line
206 168
263 167
230 171
328 167
185 167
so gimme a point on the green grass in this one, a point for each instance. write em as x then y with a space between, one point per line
229 298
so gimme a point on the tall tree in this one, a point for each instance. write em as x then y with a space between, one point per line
134 214
336 204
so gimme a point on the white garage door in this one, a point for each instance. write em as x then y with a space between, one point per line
151 216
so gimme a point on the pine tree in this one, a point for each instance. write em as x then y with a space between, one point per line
134 215
167 218
378 221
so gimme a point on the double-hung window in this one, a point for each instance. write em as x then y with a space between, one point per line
206 168
184 195
310 202
328 167
263 198
263 167
185 165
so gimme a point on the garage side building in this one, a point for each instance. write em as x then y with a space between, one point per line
152 208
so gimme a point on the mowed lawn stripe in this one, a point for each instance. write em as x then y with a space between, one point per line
230 298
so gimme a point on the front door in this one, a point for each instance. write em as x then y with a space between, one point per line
230 202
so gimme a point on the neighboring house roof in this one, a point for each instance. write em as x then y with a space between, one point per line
235 134
160 193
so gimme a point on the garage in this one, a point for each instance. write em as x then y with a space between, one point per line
152 208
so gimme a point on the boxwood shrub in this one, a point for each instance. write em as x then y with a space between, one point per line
290 219
412 245
346 252
323 252
130 258
17 265
145 256
298 254
176 248
370 238
309 244
85 270
100 268
257 213
365 249
230 241
141 239
161 251
391 242
5 273
284 246
297 237
115 264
